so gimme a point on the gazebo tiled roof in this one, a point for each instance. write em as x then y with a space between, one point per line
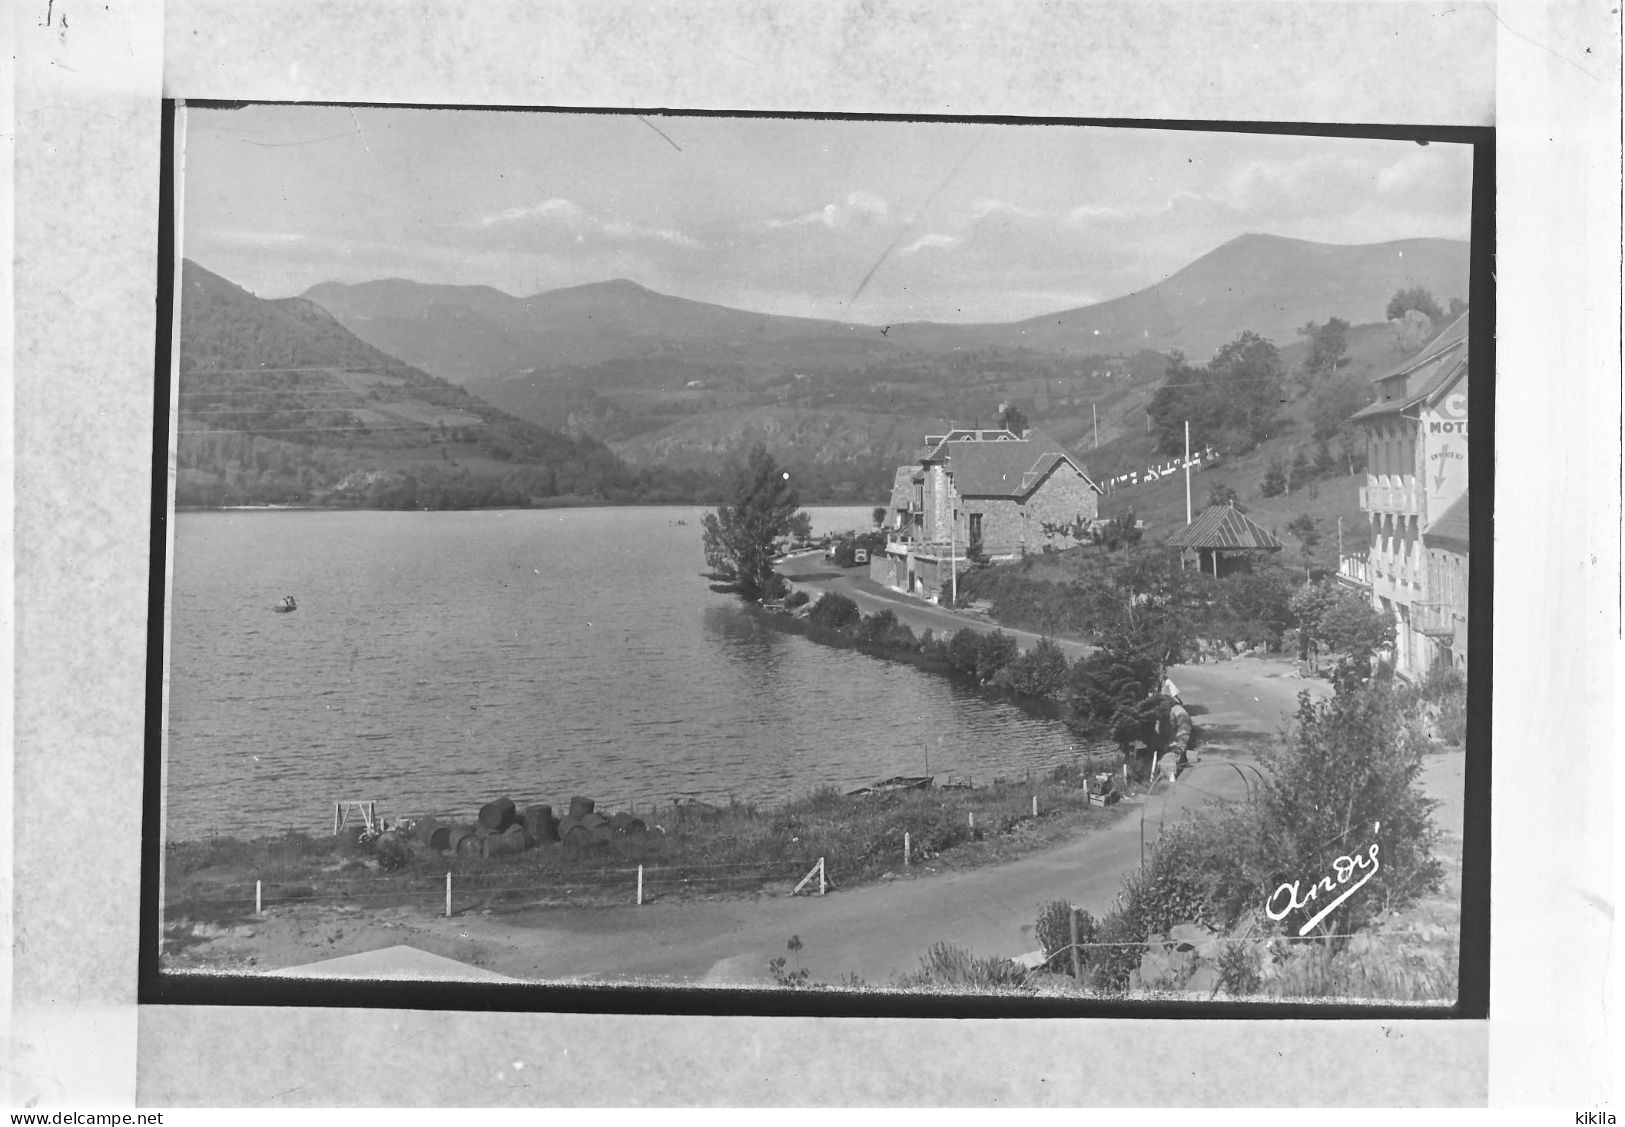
1221 526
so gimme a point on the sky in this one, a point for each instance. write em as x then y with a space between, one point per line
863 221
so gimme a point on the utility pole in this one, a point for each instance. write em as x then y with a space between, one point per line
953 555
1096 417
1187 471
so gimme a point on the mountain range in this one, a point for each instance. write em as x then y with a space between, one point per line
279 403
670 381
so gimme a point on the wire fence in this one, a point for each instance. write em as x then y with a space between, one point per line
459 892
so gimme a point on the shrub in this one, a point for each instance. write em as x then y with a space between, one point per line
835 612
1054 931
1040 672
947 965
796 599
1351 762
963 650
993 652
882 631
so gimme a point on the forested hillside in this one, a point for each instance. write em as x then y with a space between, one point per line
280 404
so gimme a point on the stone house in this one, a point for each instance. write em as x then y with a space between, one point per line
980 495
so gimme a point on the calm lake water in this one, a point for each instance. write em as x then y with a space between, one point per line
440 660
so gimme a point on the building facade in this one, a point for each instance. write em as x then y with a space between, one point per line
976 496
1443 617
1416 470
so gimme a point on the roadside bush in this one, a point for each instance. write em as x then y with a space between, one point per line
796 599
1351 762
947 965
882 631
994 652
835 612
963 650
1040 672
1054 931
1107 691
1342 621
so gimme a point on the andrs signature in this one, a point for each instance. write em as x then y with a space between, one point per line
1288 899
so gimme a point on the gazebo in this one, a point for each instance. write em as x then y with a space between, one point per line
1221 529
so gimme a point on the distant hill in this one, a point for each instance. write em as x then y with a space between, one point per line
662 378
278 403
1265 283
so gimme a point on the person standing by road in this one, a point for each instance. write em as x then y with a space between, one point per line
1180 729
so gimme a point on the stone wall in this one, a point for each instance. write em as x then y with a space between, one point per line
1009 526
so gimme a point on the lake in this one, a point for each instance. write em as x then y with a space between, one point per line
440 660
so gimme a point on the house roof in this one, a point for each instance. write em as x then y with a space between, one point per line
1450 529
1221 526
1003 466
1428 375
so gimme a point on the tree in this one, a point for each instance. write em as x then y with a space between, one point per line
1334 402
1417 298
1307 531
741 536
1327 345
1222 494
1013 418
1325 464
1274 483
1299 475
1457 307
878 515
1342 621
1230 402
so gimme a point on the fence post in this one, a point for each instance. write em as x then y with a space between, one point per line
1077 967
973 821
905 849
640 886
1035 806
448 893
820 876
257 901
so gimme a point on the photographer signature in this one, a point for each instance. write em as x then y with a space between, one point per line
1344 868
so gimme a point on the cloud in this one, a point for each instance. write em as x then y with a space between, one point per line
566 216
857 209
242 237
932 242
985 208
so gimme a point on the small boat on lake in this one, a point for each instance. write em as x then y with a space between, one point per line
286 606
894 784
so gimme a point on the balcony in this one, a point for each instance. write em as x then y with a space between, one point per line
1436 619
1354 572
1400 500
